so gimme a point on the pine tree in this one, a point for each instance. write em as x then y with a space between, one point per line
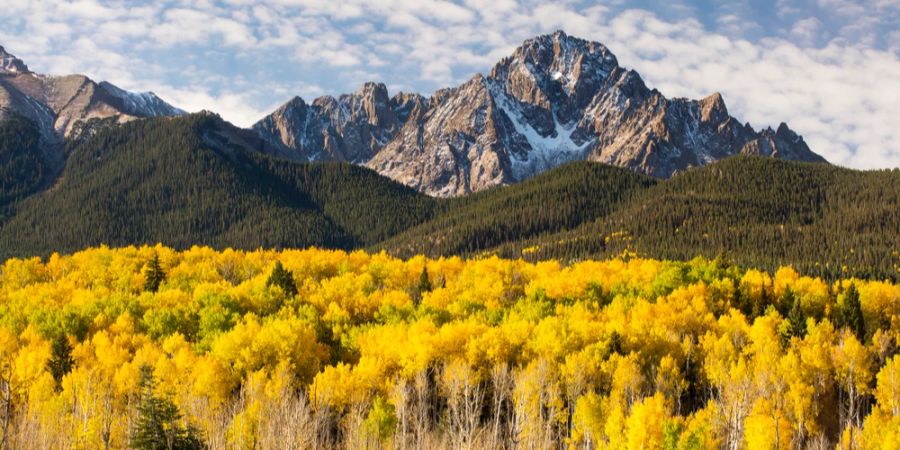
282 278
851 315
155 275
762 303
61 361
158 425
423 286
786 303
797 318
424 281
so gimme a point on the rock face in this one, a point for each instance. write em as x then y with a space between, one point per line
353 127
62 106
11 64
555 99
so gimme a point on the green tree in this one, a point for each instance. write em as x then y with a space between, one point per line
424 281
850 314
155 275
671 433
797 319
382 418
422 287
159 423
61 361
786 303
282 278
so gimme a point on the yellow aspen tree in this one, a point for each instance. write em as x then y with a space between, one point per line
646 424
852 373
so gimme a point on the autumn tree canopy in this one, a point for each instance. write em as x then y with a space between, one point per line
379 352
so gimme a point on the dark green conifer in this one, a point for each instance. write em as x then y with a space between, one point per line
60 362
155 275
424 281
786 302
159 423
284 279
797 318
850 314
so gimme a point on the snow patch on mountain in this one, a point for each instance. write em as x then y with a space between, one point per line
142 104
10 64
546 151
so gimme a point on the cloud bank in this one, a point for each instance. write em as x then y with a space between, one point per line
829 68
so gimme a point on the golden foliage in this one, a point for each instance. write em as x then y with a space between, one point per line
624 353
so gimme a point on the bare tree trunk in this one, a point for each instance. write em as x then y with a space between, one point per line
502 381
465 395
401 396
537 406
422 408
6 389
286 423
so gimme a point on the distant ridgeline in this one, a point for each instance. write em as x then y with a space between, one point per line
196 179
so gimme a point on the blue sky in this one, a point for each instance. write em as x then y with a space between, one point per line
829 68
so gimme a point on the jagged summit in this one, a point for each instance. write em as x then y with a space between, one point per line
352 127
556 98
10 64
559 53
62 105
140 104
68 107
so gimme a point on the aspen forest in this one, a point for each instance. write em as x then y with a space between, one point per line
149 347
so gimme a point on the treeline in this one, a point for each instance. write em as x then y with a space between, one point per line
554 201
198 180
24 168
822 219
151 348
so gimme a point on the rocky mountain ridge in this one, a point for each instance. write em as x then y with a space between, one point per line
66 106
556 99
353 127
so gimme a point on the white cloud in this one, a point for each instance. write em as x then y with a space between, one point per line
241 57
233 106
839 97
87 9
805 31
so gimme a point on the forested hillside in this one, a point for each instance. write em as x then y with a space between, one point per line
198 180
24 168
140 347
557 200
822 219
756 211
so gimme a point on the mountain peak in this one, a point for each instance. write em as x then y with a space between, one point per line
563 44
556 98
712 108
10 64
570 62
61 106
372 87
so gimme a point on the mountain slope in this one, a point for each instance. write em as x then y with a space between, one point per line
760 212
353 127
755 211
64 107
560 199
198 180
24 167
555 99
